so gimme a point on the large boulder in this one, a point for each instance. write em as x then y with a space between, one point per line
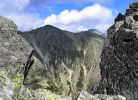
13 53
119 62
13 48
64 62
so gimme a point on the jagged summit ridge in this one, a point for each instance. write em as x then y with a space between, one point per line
119 62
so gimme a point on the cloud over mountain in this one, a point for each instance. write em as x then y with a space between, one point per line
26 21
95 16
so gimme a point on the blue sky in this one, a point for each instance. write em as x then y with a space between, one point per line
71 15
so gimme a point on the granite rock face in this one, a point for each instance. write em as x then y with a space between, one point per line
119 62
13 52
13 48
64 62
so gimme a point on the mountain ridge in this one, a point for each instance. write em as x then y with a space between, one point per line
75 54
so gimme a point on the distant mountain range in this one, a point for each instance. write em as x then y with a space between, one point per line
94 31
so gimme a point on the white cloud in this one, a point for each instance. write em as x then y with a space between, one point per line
10 6
21 3
15 10
26 21
95 16
103 27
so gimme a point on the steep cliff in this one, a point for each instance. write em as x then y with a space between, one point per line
119 62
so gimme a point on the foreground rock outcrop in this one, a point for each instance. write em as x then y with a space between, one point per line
13 52
119 62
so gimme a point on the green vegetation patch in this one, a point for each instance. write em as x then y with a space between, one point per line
80 82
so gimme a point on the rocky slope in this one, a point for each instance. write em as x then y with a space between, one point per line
119 62
64 62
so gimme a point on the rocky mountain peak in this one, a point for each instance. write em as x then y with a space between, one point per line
133 5
94 32
7 26
63 60
119 62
